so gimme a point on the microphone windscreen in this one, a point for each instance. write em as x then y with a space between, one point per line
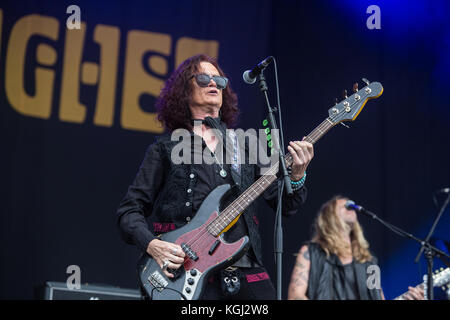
247 78
349 204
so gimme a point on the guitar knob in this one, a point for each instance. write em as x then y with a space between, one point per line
188 290
190 281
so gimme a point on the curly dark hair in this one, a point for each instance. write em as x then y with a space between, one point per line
173 102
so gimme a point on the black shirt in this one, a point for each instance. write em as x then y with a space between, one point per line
208 178
351 290
148 194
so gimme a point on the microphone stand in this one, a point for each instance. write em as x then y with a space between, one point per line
430 251
429 254
287 184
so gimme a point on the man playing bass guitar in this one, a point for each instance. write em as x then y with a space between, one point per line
171 193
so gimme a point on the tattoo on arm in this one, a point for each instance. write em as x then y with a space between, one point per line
300 279
306 254
300 275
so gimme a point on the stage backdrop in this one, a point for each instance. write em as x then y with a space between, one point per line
77 114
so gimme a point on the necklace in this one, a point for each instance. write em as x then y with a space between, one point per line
222 171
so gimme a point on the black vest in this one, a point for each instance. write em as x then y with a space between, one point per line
326 273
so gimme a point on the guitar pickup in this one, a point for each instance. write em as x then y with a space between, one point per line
189 252
213 247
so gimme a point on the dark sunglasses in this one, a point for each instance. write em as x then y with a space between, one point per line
203 80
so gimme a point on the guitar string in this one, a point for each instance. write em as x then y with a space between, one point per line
201 239
256 183
316 133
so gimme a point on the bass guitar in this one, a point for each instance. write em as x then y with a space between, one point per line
202 239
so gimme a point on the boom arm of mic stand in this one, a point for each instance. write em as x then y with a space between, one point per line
430 250
433 227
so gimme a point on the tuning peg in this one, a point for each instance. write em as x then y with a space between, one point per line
336 101
345 125
355 87
344 94
365 81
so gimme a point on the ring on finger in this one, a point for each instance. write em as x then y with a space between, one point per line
165 265
174 251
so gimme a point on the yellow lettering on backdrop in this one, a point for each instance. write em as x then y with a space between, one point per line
40 104
138 82
75 72
108 39
188 47
70 107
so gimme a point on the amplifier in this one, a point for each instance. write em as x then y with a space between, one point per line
59 291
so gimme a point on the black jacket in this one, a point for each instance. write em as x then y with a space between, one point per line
164 192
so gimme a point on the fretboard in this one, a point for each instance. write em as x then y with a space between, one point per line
404 295
233 210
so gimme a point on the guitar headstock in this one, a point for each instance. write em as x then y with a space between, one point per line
441 277
349 108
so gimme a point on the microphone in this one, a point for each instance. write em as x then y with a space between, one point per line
444 190
249 76
350 205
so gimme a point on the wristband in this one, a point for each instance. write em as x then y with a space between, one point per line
298 184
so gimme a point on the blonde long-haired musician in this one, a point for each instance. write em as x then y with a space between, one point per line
337 263
338 232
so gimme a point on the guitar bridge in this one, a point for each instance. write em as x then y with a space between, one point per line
158 281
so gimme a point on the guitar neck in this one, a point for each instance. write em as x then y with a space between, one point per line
319 131
235 209
404 295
